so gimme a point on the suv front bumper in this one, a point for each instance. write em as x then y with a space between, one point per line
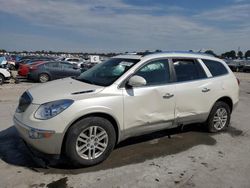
46 141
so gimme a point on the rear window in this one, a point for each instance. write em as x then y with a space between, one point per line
215 67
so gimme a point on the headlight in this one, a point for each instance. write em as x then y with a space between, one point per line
51 109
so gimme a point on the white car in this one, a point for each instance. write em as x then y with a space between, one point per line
75 61
128 95
4 75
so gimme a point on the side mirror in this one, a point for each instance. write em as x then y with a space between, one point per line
136 81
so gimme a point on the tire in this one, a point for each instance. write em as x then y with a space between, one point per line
89 153
43 77
219 117
1 79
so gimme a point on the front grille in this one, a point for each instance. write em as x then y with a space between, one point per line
24 102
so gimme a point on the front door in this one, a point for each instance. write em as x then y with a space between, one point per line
150 107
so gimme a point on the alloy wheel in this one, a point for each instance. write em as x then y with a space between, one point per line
92 142
220 118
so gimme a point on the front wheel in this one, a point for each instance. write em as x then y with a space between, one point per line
219 117
90 141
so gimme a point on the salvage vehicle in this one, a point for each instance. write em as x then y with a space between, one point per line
24 68
52 70
236 66
246 67
83 118
4 75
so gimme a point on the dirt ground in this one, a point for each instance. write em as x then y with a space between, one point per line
172 158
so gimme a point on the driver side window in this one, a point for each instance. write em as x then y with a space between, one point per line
155 72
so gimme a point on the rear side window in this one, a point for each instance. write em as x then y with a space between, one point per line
67 66
52 65
188 70
215 67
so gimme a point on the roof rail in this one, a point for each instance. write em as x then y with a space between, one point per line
186 52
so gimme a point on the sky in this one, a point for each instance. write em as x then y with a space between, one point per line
124 25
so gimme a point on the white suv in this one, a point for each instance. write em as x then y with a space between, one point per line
128 95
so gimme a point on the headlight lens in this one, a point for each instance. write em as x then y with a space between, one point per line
51 109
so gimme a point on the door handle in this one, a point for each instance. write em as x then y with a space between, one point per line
204 90
168 95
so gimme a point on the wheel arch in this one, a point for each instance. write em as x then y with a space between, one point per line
107 116
227 100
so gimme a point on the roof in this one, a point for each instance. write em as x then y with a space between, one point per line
168 54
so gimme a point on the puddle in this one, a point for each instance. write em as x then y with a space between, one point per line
61 183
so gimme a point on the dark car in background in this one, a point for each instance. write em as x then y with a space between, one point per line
28 59
236 66
246 67
24 68
52 70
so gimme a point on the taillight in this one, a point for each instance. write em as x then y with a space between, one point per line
238 81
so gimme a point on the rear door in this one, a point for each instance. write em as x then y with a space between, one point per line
55 69
150 107
193 91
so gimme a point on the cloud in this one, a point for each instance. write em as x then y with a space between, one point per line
240 13
116 26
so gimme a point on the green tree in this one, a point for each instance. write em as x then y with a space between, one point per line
247 54
240 54
230 55
211 52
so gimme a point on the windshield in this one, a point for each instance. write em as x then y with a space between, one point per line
107 73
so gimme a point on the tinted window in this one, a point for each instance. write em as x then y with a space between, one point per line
156 72
188 69
53 65
216 68
67 66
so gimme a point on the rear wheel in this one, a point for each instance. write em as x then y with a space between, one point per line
90 141
43 78
219 117
1 79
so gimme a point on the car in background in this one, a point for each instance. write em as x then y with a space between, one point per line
24 69
246 67
235 66
4 75
28 59
52 70
75 61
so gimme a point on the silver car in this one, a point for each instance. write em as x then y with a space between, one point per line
129 95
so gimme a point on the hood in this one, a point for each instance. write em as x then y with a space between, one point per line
66 88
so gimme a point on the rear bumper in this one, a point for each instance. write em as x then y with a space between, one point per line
50 145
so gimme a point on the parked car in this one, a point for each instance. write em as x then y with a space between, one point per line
128 95
4 75
246 67
75 61
25 68
52 70
29 59
236 66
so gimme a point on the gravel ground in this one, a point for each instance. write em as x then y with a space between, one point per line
172 158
